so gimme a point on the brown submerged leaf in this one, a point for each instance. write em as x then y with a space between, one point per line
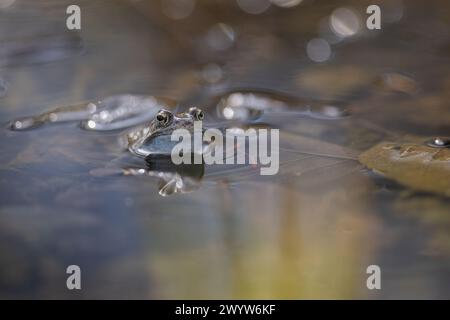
414 165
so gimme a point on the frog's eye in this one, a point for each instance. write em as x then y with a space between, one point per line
163 117
197 113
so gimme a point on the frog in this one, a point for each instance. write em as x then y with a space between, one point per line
154 139
422 166
149 139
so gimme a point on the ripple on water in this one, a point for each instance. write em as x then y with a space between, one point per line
251 105
112 113
124 111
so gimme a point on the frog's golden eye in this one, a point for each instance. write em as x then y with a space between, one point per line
196 113
163 117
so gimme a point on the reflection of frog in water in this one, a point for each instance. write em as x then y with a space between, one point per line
183 178
420 166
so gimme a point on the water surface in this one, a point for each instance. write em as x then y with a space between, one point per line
308 232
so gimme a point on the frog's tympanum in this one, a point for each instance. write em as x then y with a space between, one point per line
419 166
155 138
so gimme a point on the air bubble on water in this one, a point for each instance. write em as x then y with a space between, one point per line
178 9
236 99
91 124
134 171
286 3
331 111
23 124
18 125
253 6
228 113
105 115
345 22
53 117
220 37
318 50
439 142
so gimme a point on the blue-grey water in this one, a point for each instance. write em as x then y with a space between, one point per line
308 232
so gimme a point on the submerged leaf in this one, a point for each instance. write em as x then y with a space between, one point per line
417 166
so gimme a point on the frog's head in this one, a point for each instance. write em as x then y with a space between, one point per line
156 137
165 122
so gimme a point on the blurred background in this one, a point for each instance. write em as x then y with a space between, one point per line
308 232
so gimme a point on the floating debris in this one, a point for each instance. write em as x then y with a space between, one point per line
418 166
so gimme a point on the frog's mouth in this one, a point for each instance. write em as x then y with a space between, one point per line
162 146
